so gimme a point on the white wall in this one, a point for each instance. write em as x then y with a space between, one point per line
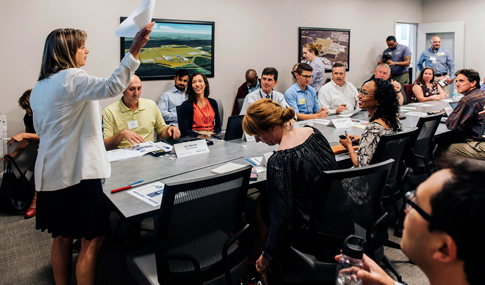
468 11
249 34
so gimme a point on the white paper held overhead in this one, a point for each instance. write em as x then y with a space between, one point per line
137 21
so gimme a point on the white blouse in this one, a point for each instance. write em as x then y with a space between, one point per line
67 118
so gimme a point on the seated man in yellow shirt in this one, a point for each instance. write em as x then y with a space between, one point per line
133 120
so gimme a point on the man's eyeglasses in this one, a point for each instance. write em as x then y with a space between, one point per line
365 94
410 198
305 76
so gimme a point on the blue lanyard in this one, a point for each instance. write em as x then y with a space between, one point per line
261 94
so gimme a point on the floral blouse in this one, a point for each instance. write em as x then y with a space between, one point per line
317 74
426 91
370 139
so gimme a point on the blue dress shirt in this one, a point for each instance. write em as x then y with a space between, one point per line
304 102
168 104
440 60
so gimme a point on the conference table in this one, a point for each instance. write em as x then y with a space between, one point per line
170 169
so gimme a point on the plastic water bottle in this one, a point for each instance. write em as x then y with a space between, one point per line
350 261
455 95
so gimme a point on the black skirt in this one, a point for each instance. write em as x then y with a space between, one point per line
78 211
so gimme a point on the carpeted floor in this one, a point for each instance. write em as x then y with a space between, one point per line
25 254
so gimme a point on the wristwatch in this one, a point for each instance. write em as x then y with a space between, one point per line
395 63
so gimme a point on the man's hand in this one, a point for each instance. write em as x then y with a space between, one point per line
391 63
174 132
16 138
397 85
341 108
132 137
449 81
372 274
322 113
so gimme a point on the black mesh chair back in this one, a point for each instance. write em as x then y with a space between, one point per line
199 232
393 146
350 201
240 103
423 144
178 112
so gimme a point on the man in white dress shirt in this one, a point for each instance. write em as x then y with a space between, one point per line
338 96
269 80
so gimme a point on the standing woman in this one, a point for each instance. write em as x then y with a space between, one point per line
72 159
425 89
310 52
199 115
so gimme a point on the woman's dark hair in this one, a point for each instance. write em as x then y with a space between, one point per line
191 96
387 103
420 77
60 50
24 101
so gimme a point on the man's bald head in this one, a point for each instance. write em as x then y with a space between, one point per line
132 93
436 42
251 77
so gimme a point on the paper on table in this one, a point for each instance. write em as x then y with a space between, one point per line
321 121
137 21
421 104
151 193
447 100
227 168
350 114
419 114
360 126
406 108
135 151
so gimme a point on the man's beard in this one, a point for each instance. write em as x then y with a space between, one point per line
180 88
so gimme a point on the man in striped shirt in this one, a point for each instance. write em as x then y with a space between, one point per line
133 120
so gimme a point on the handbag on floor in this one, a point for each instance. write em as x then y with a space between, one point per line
16 194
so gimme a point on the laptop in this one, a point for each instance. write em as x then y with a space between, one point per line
234 128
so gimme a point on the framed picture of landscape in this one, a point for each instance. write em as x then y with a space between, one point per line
173 45
333 45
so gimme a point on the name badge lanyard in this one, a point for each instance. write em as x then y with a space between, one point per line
261 94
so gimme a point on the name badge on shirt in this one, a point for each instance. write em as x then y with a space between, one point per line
301 101
441 53
433 59
132 124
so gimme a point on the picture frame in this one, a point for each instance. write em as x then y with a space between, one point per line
334 45
173 45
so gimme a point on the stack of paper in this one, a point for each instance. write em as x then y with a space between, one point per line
137 150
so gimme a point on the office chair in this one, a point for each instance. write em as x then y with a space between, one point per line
240 103
221 110
393 146
349 203
408 91
199 233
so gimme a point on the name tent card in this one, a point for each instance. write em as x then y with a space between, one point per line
342 123
190 148
266 156
248 138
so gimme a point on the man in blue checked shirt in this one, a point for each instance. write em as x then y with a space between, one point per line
303 98
440 60
174 97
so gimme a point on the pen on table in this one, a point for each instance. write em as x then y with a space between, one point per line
254 164
126 187
5 139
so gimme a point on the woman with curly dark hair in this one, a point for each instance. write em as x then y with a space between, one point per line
379 98
199 115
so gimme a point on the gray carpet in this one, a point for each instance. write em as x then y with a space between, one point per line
25 254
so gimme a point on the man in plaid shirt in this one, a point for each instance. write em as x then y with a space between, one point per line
466 115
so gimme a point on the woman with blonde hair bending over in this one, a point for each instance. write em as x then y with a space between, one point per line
293 178
425 89
310 52
72 159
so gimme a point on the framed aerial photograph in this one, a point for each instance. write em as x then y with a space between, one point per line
333 45
173 45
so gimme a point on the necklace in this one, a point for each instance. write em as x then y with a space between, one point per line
204 115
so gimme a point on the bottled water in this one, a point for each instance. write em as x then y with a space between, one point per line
350 261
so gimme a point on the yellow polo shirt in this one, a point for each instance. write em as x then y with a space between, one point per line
117 115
